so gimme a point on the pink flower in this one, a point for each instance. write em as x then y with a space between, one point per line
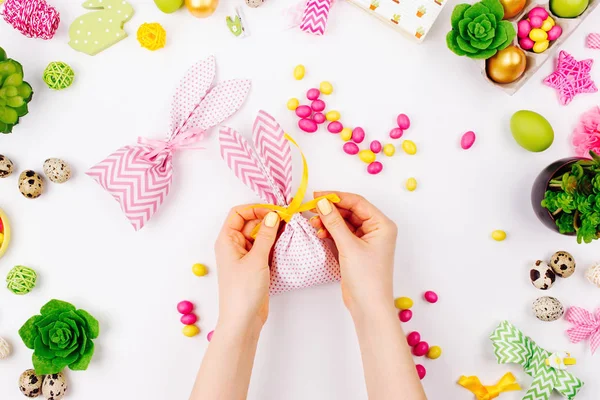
586 135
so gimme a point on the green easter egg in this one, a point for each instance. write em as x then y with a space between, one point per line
531 131
168 6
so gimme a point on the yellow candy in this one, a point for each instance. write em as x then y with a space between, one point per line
389 149
550 20
333 116
292 104
299 72
538 35
1 237
326 88
540 47
434 352
403 303
190 330
498 235
346 134
367 156
409 147
199 269
547 25
411 184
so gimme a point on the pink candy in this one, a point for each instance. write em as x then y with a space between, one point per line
431 297
185 307
303 111
335 127
308 125
313 94
189 319
318 105
420 349
536 21
396 133
358 135
319 118
351 148
210 335
375 146
554 33
374 168
413 338
538 12
467 140
524 27
421 371
405 315
403 121
526 43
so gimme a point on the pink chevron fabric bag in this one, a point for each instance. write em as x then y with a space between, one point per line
139 177
300 258
310 15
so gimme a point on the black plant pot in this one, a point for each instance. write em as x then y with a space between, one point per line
540 186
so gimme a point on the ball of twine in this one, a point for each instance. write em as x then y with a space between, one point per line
4 349
152 36
593 274
33 18
20 280
58 75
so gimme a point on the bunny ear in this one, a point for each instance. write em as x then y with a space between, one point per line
220 103
193 87
236 152
274 151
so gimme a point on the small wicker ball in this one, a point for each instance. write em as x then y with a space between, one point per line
58 75
593 274
152 36
21 280
4 349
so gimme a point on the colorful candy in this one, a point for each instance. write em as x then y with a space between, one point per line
523 28
303 111
409 147
292 104
189 319
421 371
536 32
403 121
326 88
210 335
526 43
366 156
538 35
350 148
411 184
498 235
540 47
536 22
358 135
467 140
185 307
333 116
375 146
413 338
554 32
346 134
199 269
430 296
403 303
190 330
313 94
319 118
308 125
375 167
420 349
318 105
434 352
405 315
335 127
396 133
538 12
299 72
389 149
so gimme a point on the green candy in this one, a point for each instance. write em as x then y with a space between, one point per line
531 131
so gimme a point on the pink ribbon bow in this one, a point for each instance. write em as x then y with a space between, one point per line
593 41
310 15
587 326
139 177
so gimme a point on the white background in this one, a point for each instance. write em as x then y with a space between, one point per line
85 251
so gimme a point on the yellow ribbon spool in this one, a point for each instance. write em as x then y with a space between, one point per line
507 383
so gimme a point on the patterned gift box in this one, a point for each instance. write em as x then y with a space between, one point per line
411 17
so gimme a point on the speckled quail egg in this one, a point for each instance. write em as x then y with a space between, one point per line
254 3
55 386
6 166
31 184
30 384
548 309
541 275
563 264
57 170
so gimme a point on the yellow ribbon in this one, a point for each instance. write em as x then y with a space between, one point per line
506 384
296 206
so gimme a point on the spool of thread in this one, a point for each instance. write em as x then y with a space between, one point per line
58 75
152 36
593 274
21 280
33 18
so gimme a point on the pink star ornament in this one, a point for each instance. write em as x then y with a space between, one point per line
571 77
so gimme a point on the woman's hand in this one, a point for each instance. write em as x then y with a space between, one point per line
243 267
366 241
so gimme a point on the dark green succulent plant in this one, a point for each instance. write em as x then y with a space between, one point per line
15 93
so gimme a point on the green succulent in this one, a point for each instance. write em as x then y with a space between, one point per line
478 30
15 93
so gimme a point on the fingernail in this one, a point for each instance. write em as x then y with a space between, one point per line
313 218
324 206
272 219
319 231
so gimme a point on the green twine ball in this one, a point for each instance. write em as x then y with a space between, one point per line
20 280
58 75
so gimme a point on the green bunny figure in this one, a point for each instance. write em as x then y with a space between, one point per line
98 30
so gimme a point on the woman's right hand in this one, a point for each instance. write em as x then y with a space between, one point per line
366 241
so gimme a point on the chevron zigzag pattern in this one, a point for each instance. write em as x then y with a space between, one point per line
315 16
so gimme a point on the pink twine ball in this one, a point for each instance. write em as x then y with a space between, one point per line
33 18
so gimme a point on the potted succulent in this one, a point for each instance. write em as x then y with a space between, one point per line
374 5
421 11
420 32
15 93
566 197
396 19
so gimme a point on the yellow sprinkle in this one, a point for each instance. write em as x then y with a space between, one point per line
299 72
498 235
409 147
292 104
367 156
190 330
199 269
411 184
346 134
333 116
326 88
403 303
389 149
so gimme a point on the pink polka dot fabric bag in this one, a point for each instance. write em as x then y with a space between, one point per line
300 258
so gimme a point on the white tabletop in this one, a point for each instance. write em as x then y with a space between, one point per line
85 251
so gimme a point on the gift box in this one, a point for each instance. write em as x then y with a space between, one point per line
411 17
